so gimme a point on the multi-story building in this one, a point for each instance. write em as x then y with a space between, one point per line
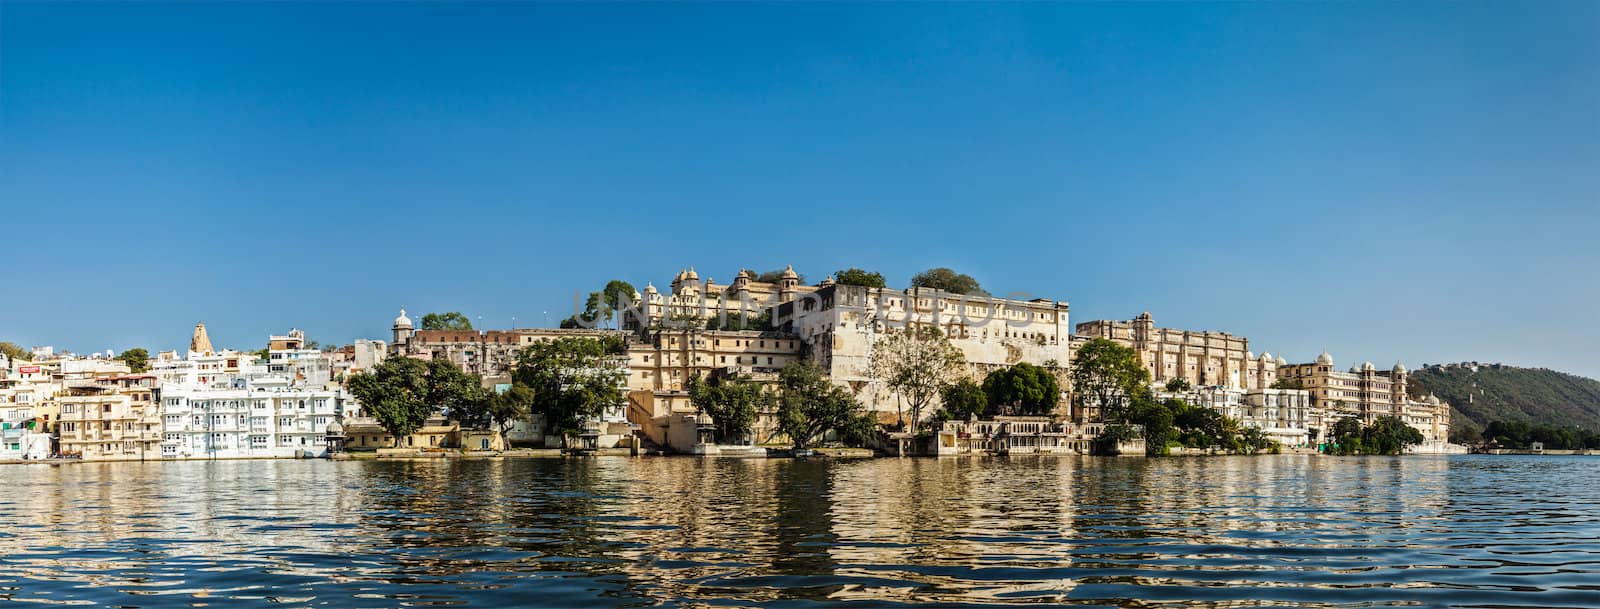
840 323
110 418
1201 358
1366 393
244 417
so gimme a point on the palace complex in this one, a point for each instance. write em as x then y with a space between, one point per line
289 400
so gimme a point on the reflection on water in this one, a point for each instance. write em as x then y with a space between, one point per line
618 532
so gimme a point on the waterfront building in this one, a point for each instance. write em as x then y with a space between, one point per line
1203 358
1366 393
1020 435
839 324
112 418
1286 416
247 417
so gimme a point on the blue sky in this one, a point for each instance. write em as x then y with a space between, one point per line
1416 181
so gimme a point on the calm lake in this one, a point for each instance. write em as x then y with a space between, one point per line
1466 531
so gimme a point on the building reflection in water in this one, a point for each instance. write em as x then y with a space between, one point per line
619 532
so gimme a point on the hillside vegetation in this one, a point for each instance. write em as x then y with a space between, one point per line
1496 392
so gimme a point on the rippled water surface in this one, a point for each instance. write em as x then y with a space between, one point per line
681 532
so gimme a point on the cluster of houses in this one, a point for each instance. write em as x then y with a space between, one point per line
289 400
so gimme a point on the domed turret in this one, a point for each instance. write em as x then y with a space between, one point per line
402 322
1433 399
691 275
1266 357
788 272
1249 355
650 288
826 281
1325 359
1368 367
1282 362
1399 368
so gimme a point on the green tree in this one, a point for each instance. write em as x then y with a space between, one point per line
508 407
137 359
809 406
961 401
600 306
572 378
1022 389
1105 375
14 351
733 402
1287 384
1157 420
950 281
452 320
1179 385
860 277
395 392
916 363
460 395
1386 435
775 276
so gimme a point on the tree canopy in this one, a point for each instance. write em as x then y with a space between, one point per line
948 280
733 402
962 400
452 320
1106 375
572 378
14 351
1179 385
775 276
809 406
860 277
1022 389
599 307
1522 435
137 359
1386 435
916 362
395 392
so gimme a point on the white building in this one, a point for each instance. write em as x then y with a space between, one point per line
247 418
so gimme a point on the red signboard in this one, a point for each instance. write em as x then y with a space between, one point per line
27 369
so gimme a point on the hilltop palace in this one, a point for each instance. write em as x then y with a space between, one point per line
213 403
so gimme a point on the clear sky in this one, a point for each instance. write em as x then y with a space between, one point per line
1413 181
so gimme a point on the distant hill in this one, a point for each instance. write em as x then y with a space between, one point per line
1481 393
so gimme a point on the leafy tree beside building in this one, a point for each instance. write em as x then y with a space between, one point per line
916 363
948 280
1022 389
733 402
452 320
137 359
809 406
395 392
14 351
1107 376
859 277
961 401
572 378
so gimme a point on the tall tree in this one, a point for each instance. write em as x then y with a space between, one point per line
505 409
599 307
137 359
809 406
962 400
916 362
1023 389
1105 375
860 277
733 402
395 392
572 378
452 320
14 351
948 280
460 395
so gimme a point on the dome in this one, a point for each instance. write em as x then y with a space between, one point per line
826 281
746 274
335 429
649 288
1249 355
1325 359
1399 368
1368 367
402 321
1433 399
788 272
1282 362
1266 357
691 275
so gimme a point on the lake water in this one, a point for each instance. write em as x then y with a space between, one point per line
1466 531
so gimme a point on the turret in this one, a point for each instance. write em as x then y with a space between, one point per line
401 329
